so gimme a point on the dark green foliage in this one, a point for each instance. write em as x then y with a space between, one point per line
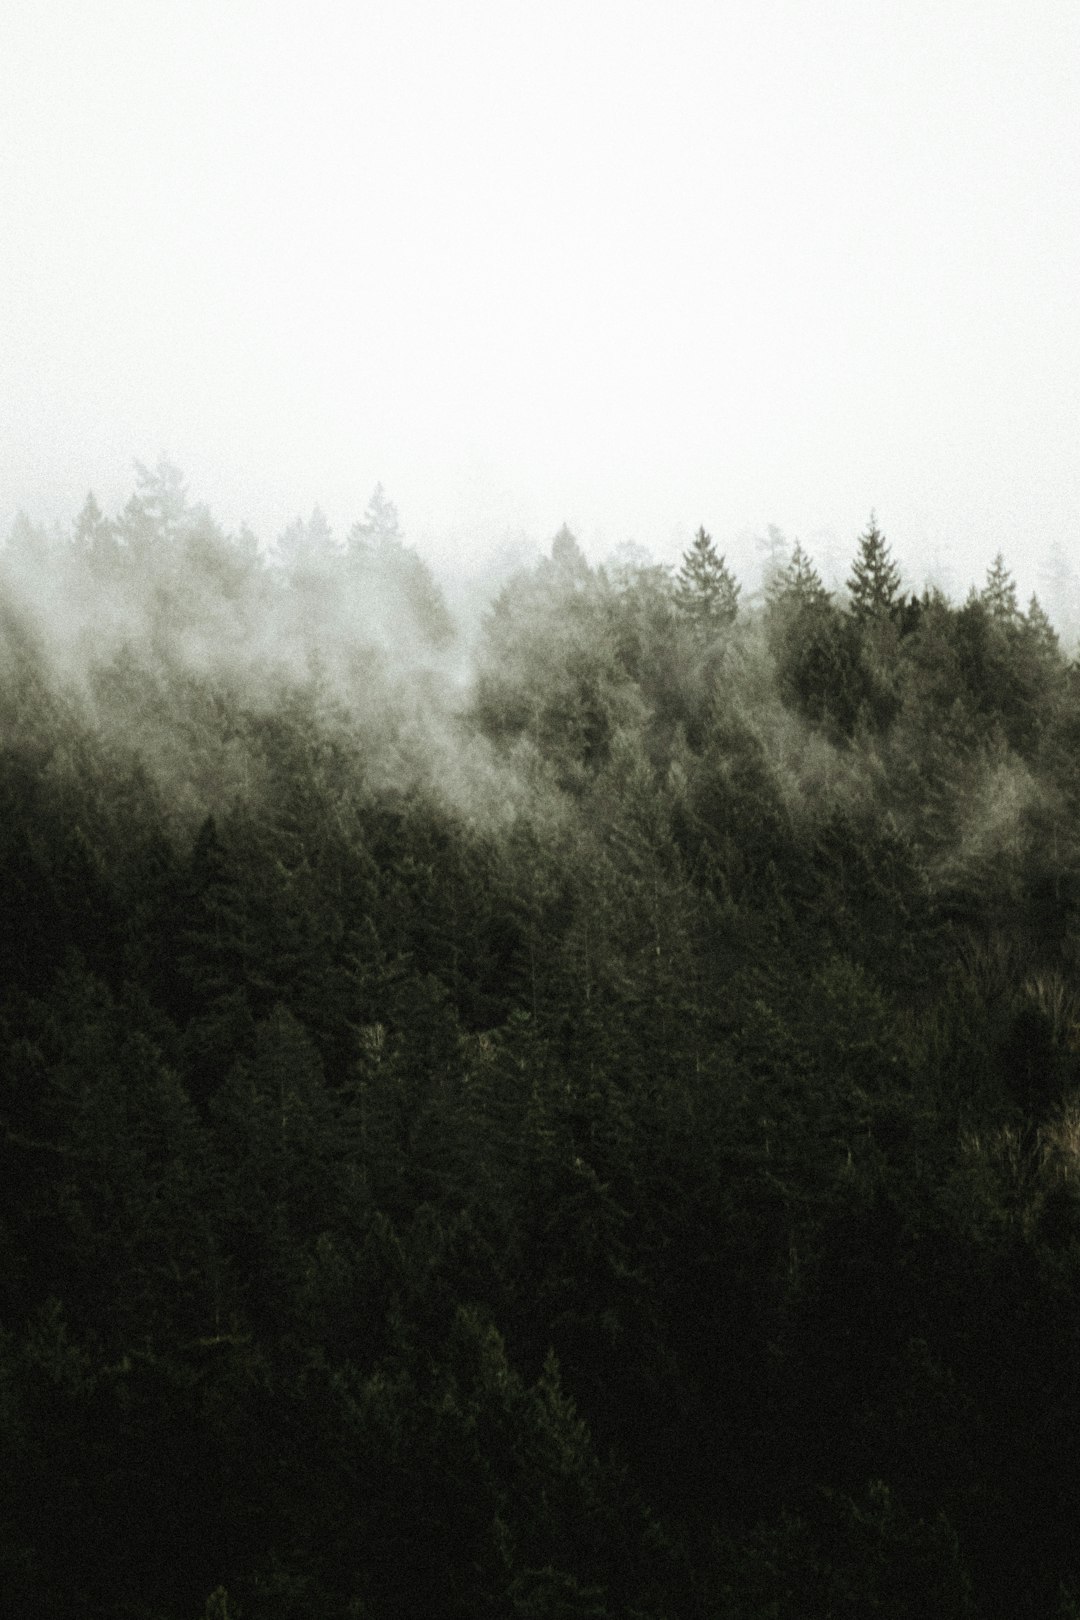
550 671
875 578
603 1143
824 672
847 1556
706 592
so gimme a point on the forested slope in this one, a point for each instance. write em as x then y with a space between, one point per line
586 1125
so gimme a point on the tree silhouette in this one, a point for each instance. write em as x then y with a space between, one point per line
1038 632
875 577
379 526
797 583
157 510
705 590
998 595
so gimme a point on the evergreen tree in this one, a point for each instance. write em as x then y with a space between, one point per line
28 545
875 577
706 591
306 547
93 533
1038 632
629 1166
568 565
392 579
822 671
162 492
156 512
379 526
797 583
998 595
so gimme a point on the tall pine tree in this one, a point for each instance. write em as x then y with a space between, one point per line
705 590
797 584
998 595
875 578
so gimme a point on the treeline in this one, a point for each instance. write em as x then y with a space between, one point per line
598 1138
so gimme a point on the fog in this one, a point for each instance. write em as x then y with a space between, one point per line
412 1014
740 264
534 685
539 1049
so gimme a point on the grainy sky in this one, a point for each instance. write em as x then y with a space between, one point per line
636 266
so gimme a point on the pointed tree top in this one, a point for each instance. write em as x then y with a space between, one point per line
379 526
307 545
798 582
998 595
161 493
567 556
875 578
1038 631
91 526
705 589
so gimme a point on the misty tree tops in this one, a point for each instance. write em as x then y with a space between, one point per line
874 585
161 497
307 547
705 590
796 582
998 595
379 526
597 1140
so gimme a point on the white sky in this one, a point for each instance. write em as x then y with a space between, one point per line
636 266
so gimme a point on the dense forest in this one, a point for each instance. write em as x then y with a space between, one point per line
581 1120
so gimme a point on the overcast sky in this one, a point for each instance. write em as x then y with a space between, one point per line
634 266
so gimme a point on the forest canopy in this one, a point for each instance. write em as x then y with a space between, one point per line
580 1119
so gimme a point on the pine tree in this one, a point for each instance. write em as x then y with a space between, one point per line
92 530
875 577
307 547
379 526
391 575
706 591
998 595
569 565
1038 632
798 583
159 507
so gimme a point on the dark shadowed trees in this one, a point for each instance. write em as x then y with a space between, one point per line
607 1146
706 592
874 584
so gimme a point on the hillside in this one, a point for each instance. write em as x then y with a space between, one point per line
583 1124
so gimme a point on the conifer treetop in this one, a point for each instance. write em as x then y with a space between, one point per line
998 595
1038 630
798 582
379 526
161 493
875 578
705 589
567 558
92 528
